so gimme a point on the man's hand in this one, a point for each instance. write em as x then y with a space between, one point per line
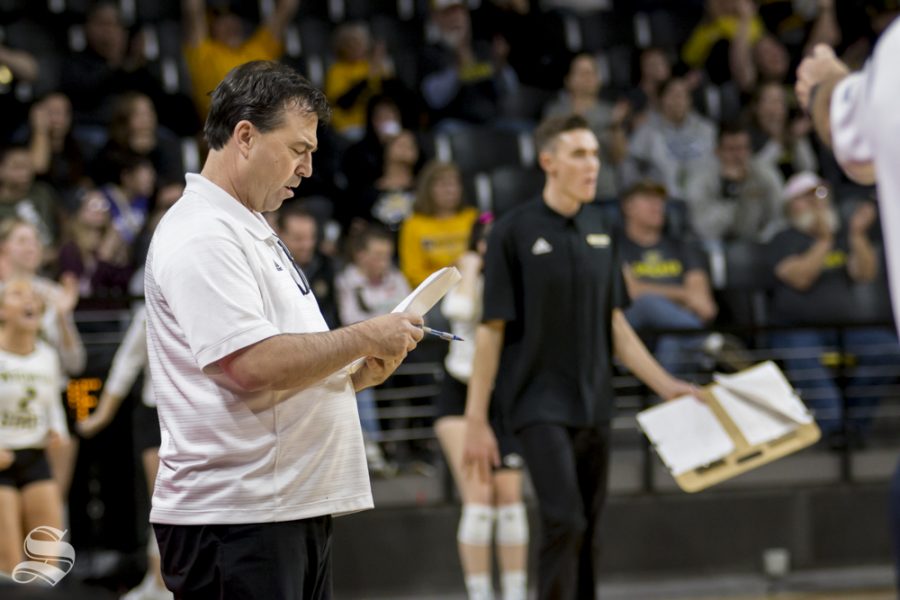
862 219
394 335
821 66
374 372
678 388
481 453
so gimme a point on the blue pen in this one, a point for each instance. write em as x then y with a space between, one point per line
442 334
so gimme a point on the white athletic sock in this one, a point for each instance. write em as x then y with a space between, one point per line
515 585
479 587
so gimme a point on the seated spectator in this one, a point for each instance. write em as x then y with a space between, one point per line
367 287
581 96
58 157
389 201
96 255
215 42
464 80
21 196
666 279
360 71
437 233
128 199
816 262
134 133
736 197
654 68
167 193
111 64
299 231
777 140
672 144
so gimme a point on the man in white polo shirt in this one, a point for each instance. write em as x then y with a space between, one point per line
261 441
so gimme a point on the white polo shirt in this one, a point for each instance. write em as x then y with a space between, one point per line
216 282
865 127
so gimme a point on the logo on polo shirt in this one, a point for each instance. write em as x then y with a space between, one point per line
598 240
541 246
277 266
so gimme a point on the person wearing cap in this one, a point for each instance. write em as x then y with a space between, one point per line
666 278
215 43
816 263
464 80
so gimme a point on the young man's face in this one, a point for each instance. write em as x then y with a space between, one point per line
573 161
645 209
300 236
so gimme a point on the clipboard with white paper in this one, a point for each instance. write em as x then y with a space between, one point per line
423 298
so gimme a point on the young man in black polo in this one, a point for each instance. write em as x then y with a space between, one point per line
553 295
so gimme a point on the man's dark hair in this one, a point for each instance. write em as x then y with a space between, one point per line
644 186
259 91
8 149
552 127
371 232
732 128
288 211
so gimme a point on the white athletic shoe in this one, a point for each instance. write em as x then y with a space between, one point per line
149 589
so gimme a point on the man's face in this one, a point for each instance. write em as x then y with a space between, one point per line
300 236
734 151
105 34
17 170
676 101
573 161
277 160
227 29
646 210
453 24
805 210
375 259
583 78
23 249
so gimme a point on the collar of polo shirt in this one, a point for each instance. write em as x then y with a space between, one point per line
252 221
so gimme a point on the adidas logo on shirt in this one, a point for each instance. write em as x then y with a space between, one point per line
541 246
277 266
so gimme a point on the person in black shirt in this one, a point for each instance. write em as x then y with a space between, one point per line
817 262
552 320
666 279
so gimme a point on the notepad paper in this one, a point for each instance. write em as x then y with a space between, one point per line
423 298
686 434
761 402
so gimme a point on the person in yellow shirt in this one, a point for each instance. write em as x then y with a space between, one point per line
437 233
357 75
215 45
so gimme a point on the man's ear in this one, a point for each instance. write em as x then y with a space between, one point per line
546 160
244 136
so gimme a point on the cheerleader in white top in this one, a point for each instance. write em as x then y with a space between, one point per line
31 421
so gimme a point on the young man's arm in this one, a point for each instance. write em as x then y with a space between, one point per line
481 452
284 13
194 20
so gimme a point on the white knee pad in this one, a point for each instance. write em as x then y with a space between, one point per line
152 546
512 525
476 525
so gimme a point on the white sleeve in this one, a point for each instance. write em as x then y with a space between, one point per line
209 285
849 134
130 357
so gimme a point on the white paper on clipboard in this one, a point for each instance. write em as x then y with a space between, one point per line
423 298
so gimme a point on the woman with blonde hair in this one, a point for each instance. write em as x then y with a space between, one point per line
437 233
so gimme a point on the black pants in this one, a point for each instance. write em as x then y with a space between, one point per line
290 560
569 470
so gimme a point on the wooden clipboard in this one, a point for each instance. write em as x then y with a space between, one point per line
745 457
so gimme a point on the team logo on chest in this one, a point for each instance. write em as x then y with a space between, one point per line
541 246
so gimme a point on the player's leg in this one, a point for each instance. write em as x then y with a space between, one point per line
512 533
592 454
476 523
11 535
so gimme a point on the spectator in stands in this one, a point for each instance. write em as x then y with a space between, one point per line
32 421
778 140
672 144
361 69
135 133
581 96
368 287
111 64
57 156
771 61
96 254
464 80
389 200
215 43
299 231
721 42
21 196
167 193
667 280
817 262
128 199
498 500
437 233
736 197
654 69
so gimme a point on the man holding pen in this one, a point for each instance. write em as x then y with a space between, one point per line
553 299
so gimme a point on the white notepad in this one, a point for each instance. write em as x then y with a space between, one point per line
423 298
686 434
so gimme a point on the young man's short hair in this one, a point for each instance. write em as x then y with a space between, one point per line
552 127
644 186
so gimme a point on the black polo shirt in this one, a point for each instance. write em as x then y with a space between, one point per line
554 280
